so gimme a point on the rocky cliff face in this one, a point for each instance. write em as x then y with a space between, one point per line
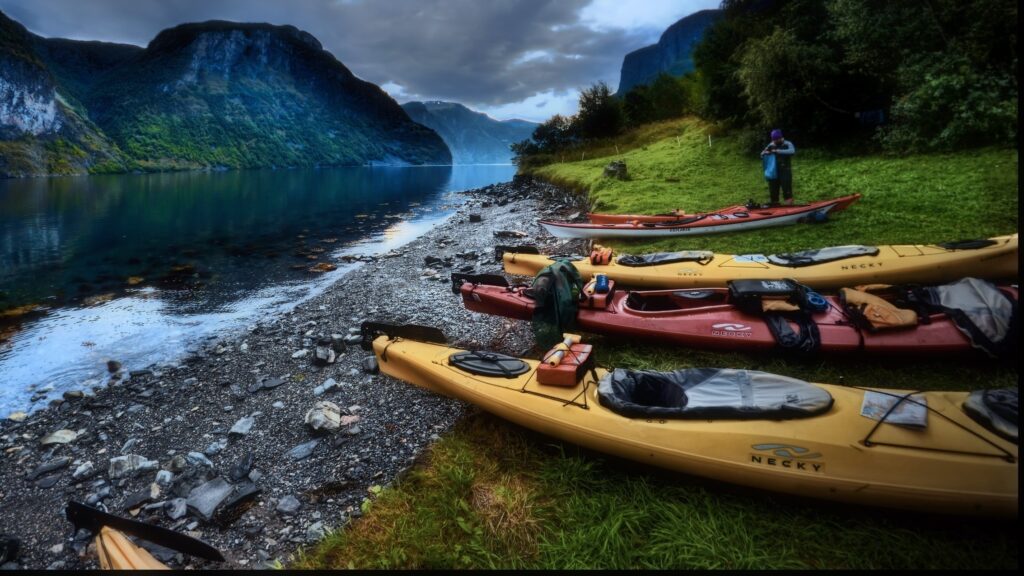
473 137
43 128
672 54
215 94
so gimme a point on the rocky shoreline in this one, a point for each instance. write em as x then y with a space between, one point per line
274 435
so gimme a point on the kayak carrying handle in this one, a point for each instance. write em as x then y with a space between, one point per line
487 279
371 330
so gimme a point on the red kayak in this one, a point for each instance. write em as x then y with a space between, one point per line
713 318
677 216
731 219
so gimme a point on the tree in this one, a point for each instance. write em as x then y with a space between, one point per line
788 83
637 106
554 134
668 97
947 67
600 114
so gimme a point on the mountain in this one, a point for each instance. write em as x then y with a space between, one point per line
208 95
672 54
44 126
473 137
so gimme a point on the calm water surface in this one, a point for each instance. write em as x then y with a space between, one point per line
145 268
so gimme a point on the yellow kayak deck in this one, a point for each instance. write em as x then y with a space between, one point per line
896 263
950 466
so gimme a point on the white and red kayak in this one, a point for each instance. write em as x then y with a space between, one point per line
733 218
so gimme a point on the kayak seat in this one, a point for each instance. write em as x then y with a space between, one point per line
483 363
674 223
996 410
701 393
821 255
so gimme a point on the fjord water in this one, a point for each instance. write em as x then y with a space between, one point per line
145 268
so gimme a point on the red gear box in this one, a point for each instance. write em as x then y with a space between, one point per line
575 362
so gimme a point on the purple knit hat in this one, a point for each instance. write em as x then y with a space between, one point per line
776 134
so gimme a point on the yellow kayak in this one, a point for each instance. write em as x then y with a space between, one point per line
991 259
952 464
117 552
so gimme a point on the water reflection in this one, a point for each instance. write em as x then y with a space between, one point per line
184 255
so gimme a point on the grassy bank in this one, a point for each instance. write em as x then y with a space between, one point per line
493 495
919 198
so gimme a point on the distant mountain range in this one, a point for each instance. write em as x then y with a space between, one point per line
673 54
473 137
209 95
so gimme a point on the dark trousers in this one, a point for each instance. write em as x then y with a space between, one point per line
784 181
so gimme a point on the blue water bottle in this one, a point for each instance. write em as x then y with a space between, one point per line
602 284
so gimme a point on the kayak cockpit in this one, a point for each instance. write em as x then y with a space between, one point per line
677 300
710 393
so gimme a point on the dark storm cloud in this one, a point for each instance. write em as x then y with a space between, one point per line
479 52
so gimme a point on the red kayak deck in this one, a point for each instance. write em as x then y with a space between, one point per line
739 209
705 318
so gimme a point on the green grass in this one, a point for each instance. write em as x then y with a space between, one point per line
493 495
914 199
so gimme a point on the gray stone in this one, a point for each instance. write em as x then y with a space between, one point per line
289 505
278 404
164 478
216 447
148 494
315 532
300 354
198 459
59 437
242 468
265 384
50 466
302 450
129 465
244 493
327 386
324 417
176 508
242 427
128 445
85 471
338 343
204 499
48 481
324 355
178 463
370 365
113 366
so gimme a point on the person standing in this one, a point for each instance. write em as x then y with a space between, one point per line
781 176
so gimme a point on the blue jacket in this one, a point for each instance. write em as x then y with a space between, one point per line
783 155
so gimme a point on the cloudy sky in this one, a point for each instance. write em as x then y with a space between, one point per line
508 58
